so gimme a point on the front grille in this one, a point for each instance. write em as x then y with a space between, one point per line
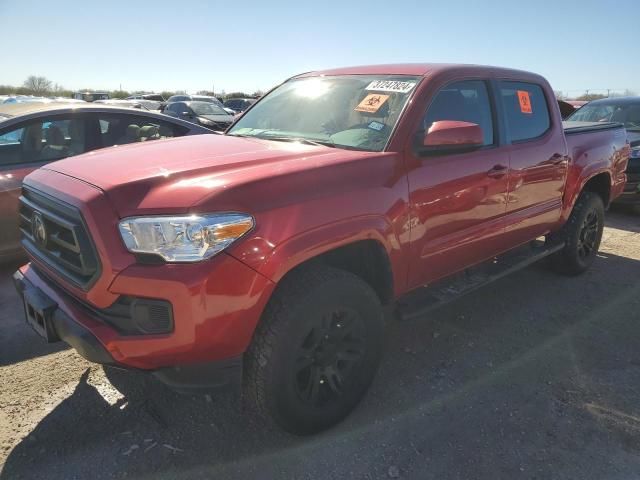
54 233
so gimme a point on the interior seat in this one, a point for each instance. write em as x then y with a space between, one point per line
148 132
131 135
32 142
77 137
56 145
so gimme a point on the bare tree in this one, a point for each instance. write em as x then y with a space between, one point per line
38 85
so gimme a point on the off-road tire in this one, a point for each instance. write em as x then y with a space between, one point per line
581 236
291 324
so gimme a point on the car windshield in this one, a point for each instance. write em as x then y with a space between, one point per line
205 108
346 111
627 114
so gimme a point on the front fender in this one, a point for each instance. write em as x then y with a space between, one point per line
274 263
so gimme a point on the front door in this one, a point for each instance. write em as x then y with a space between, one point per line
458 200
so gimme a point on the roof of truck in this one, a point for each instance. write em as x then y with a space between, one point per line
421 69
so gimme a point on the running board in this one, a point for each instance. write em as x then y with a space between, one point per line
425 299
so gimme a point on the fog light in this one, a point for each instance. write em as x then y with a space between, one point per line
152 316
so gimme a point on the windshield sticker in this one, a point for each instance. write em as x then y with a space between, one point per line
525 101
371 103
377 126
391 86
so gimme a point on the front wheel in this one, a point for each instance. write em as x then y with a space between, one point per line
316 349
582 235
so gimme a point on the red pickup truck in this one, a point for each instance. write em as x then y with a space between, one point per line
266 256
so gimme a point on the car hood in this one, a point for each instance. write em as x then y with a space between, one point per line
175 175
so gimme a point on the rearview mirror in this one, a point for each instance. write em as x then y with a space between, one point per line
452 135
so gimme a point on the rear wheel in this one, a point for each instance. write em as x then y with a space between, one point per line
582 235
316 349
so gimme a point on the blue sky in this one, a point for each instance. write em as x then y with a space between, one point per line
192 45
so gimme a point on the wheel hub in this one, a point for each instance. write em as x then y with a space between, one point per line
587 238
329 354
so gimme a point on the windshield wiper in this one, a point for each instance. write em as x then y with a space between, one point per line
317 143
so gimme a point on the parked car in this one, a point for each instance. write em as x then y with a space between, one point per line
239 105
90 96
117 102
150 101
196 98
156 97
34 134
265 255
24 99
206 114
625 110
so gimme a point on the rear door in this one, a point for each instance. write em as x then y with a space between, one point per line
458 200
538 159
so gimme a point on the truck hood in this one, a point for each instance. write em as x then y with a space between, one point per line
172 176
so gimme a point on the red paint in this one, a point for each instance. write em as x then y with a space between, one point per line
432 215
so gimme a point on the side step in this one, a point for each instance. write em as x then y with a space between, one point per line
425 299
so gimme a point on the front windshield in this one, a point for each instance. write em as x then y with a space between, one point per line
348 111
627 114
204 108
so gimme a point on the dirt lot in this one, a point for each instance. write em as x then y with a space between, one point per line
535 376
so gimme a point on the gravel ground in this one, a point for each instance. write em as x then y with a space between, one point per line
536 376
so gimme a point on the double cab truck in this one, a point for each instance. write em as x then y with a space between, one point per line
269 257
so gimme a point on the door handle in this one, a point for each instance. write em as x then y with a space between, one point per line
498 171
556 159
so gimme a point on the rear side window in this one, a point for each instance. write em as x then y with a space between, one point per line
466 101
120 129
525 110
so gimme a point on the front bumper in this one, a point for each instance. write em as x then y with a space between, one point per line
211 332
67 330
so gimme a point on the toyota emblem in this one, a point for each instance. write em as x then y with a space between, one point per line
38 229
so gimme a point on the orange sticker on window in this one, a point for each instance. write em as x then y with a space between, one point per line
525 101
371 103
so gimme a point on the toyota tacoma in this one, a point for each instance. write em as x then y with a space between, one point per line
269 257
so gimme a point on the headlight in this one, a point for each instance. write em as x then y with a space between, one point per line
188 238
635 152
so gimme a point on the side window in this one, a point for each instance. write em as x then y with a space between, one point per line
43 140
121 129
466 101
525 110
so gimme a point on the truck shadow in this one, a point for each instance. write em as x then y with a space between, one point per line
467 383
17 341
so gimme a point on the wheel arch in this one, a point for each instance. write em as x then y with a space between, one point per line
365 247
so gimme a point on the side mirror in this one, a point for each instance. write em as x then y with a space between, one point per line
185 114
452 135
